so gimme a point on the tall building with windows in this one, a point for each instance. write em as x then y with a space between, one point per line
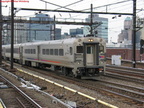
27 32
43 31
20 32
99 30
74 32
58 34
126 33
39 31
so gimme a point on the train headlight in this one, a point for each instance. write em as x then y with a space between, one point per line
78 62
90 40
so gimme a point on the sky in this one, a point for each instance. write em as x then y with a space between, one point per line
115 25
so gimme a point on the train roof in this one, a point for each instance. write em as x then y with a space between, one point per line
71 40
62 41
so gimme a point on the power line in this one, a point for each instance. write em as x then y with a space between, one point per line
107 5
56 5
70 4
84 12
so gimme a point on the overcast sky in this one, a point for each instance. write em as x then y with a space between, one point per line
115 25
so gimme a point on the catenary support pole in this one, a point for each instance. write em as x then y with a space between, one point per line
0 32
12 32
91 20
134 34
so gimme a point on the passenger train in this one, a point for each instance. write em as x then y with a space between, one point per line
78 57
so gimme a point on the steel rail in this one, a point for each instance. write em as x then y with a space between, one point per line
132 72
125 68
128 78
35 104
123 85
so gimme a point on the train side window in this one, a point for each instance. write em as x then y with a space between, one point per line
101 48
28 51
34 51
51 51
79 49
61 52
56 51
47 51
89 50
71 50
8 50
16 50
43 51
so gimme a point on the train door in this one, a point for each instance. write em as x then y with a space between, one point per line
38 52
21 55
3 52
91 54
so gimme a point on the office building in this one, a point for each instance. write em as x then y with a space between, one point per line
38 32
100 26
75 32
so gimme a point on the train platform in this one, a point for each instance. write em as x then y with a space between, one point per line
2 104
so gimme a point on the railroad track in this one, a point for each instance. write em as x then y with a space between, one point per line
129 94
132 93
58 76
126 73
115 89
19 99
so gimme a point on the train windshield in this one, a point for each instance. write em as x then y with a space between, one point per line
79 49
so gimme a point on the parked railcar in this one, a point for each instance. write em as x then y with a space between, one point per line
79 57
6 52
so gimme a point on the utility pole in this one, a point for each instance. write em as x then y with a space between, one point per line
91 20
12 33
54 29
134 34
0 33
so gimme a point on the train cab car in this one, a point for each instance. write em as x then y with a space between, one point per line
6 52
82 57
79 57
89 57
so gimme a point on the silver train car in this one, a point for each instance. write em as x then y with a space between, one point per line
78 57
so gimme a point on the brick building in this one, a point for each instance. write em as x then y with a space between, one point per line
126 53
